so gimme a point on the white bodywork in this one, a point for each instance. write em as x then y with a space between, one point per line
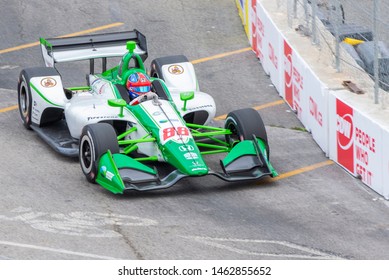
46 92
87 107
181 77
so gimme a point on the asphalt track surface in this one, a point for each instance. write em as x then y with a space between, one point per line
313 210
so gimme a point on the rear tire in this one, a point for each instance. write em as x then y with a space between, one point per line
24 100
96 139
243 124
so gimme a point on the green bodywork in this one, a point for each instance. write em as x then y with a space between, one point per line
115 170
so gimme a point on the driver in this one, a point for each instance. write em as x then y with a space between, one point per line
139 88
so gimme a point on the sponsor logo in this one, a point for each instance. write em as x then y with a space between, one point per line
272 56
288 73
314 111
200 107
345 135
365 155
157 113
344 128
48 82
101 117
190 155
107 174
176 69
199 168
186 148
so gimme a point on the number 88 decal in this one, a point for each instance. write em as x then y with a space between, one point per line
175 133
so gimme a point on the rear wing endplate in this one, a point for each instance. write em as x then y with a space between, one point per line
56 50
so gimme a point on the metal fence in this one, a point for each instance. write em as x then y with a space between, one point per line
354 35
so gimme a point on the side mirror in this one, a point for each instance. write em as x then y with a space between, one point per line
186 96
121 103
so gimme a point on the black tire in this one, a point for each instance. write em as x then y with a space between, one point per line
24 91
243 124
24 100
96 139
156 64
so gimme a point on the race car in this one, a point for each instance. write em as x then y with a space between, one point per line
117 141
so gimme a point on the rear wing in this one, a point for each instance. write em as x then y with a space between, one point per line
56 50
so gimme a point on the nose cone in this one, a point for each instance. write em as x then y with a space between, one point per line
185 157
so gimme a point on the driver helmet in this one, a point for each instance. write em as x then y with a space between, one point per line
138 84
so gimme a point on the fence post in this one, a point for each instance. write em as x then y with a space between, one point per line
334 19
314 27
376 51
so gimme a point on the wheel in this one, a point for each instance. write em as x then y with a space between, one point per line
243 124
156 64
24 100
24 93
96 139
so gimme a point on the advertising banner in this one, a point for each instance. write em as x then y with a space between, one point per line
368 152
257 31
356 143
294 69
345 134
315 117
271 47
385 163
345 130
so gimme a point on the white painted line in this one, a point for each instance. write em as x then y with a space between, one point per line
307 253
58 251
85 224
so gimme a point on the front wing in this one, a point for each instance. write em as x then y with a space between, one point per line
119 173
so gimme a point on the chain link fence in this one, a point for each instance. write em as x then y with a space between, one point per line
353 35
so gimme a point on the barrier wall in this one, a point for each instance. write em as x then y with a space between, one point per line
347 134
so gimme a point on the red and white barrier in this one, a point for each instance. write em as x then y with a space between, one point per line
356 143
344 132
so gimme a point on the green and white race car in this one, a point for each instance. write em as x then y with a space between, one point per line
117 143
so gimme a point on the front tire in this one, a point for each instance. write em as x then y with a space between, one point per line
96 139
243 124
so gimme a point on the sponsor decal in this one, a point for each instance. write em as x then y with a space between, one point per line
48 82
199 168
258 31
200 107
288 73
365 147
178 134
272 56
186 148
345 135
157 113
294 80
190 156
176 69
98 86
107 174
101 117
314 111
